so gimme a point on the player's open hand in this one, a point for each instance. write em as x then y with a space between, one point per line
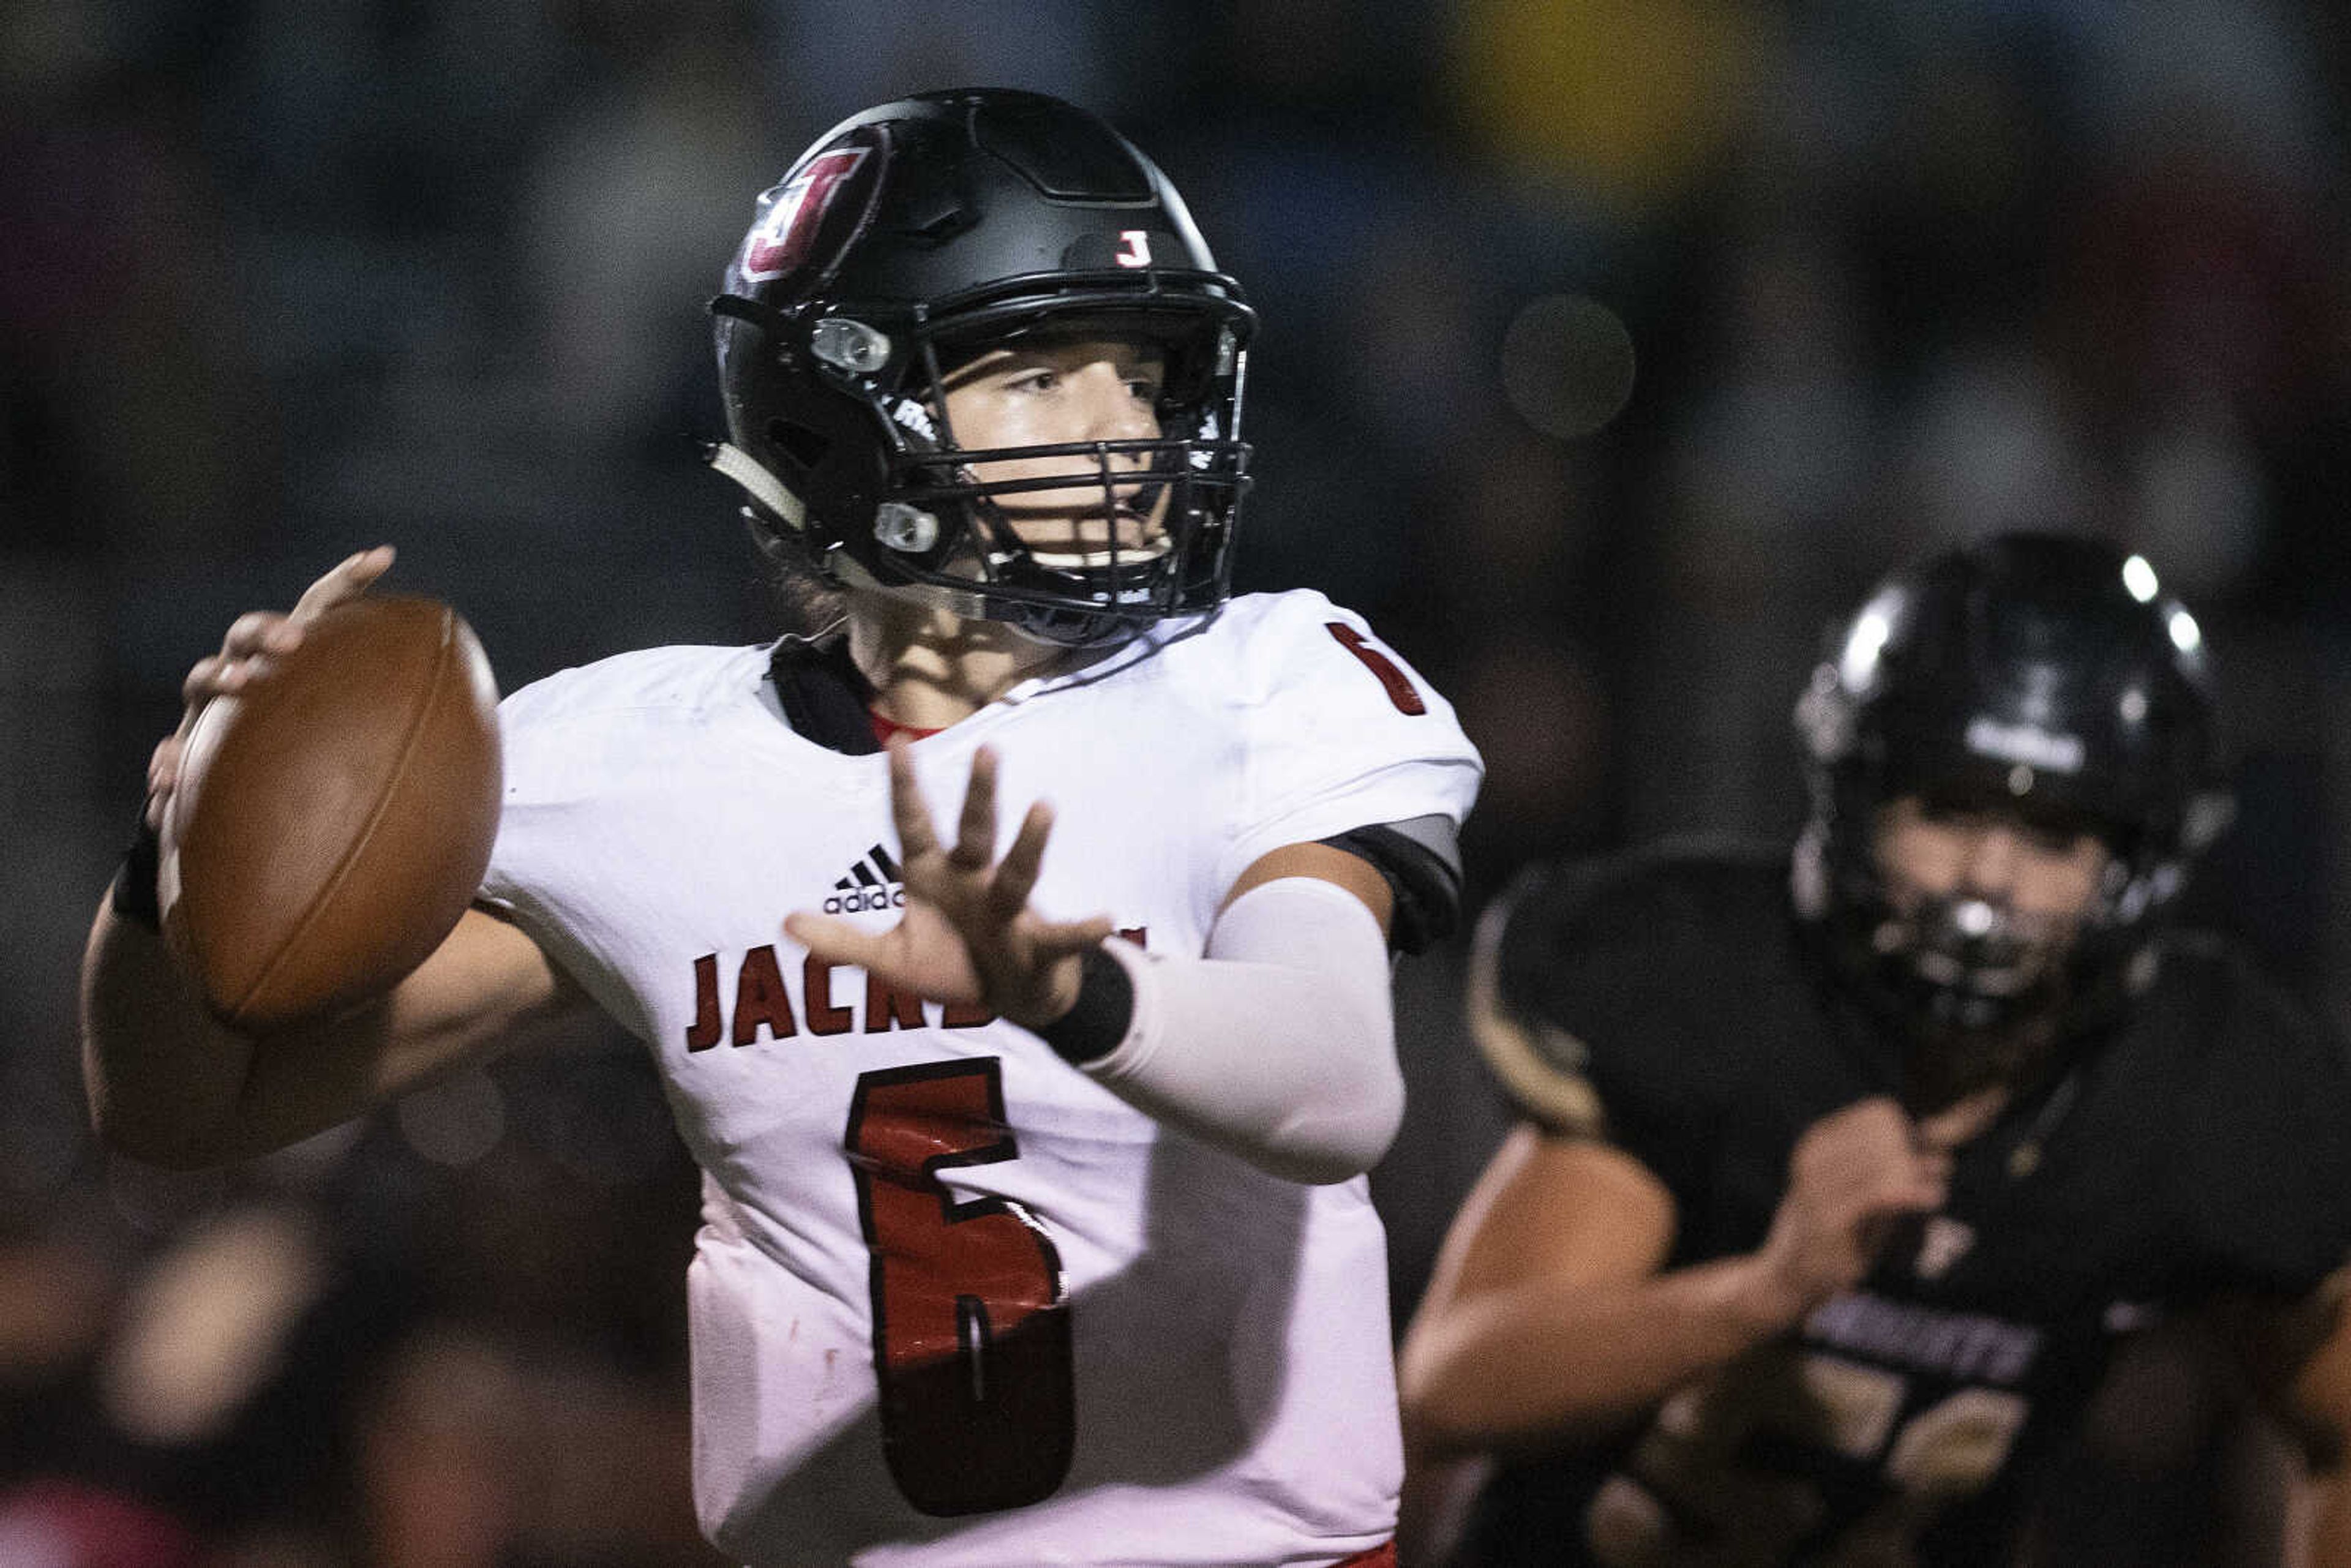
255 640
968 935
1853 1173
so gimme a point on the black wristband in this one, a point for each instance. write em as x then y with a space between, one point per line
135 898
1099 1019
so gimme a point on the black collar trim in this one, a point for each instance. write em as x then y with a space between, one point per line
823 697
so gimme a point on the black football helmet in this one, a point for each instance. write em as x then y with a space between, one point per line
906 240
2045 676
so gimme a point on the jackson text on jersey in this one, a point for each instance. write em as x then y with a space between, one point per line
760 1001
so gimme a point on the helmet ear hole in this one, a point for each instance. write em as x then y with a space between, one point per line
803 446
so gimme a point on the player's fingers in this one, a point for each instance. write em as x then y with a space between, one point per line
1845 1150
198 687
912 813
1912 1185
1861 1184
1860 1131
976 833
1055 939
228 678
1016 875
163 778
250 633
214 676
833 940
1879 1117
1962 1121
343 582
889 956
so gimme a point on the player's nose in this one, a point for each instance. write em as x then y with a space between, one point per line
1990 864
1112 411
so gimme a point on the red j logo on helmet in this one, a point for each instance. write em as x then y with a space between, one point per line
781 242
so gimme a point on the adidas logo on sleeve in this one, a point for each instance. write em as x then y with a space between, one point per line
872 883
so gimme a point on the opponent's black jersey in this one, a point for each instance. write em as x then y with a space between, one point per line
1671 1001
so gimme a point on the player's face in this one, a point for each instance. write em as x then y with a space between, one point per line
1051 393
1933 850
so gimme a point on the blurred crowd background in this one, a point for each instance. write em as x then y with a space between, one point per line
1609 348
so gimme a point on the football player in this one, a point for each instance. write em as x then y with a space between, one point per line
1035 1228
1840 1177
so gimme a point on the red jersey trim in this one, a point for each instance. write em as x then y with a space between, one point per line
885 729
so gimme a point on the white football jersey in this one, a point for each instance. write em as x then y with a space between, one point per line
954 1304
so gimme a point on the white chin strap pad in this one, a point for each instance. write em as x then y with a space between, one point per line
766 489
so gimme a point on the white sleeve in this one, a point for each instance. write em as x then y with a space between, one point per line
1278 1044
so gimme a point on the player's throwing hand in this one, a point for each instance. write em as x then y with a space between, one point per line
254 639
968 935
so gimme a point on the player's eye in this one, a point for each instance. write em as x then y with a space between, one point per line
2053 839
1948 813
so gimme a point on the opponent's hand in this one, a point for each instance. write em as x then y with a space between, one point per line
1853 1173
968 935
254 639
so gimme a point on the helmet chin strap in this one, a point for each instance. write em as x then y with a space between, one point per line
1024 621
851 573
765 488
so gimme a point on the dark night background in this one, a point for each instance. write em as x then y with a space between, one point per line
1609 348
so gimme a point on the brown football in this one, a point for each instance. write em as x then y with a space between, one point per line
332 821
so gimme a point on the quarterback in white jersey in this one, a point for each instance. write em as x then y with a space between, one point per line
1200 1359
1034 1221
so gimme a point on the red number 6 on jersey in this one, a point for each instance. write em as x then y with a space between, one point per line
971 1319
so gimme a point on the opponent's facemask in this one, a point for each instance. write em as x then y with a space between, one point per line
2043 677
1974 956
1963 955
912 238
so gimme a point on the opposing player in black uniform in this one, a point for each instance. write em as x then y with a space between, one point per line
1840 1178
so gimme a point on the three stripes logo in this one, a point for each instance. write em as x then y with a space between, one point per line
872 883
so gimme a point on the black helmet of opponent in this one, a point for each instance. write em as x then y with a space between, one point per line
2045 676
905 240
